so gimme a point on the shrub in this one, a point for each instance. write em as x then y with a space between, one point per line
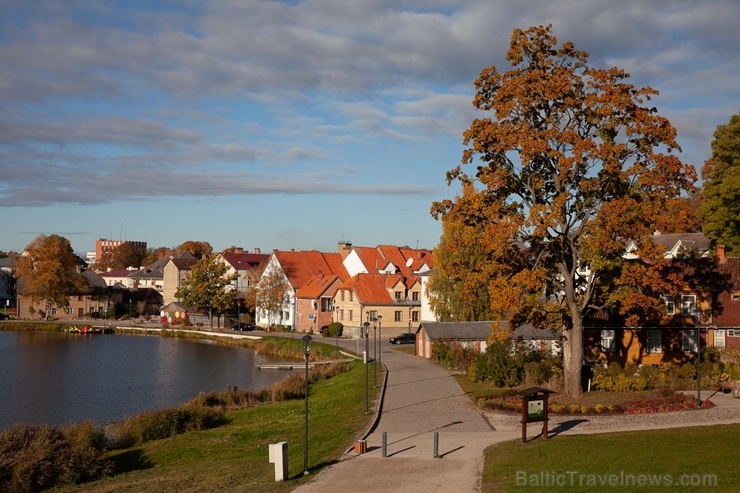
34 458
335 329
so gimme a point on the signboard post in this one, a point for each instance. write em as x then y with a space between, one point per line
534 409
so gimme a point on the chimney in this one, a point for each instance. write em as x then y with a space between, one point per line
257 251
344 248
721 254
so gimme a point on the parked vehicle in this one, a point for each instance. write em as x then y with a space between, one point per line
243 326
407 338
4 316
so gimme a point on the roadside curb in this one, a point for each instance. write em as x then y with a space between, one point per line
378 410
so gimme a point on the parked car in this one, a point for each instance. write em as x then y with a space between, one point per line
243 326
407 338
3 316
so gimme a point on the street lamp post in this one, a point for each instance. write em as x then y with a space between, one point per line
306 351
698 367
367 349
130 312
375 354
380 339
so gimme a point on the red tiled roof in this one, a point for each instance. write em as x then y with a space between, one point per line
300 266
318 286
244 261
372 288
371 258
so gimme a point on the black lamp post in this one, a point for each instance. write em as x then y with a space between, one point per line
367 349
306 351
375 353
698 367
380 339
130 312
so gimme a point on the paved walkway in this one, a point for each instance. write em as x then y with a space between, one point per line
421 398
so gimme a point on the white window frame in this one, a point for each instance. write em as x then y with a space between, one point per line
689 340
607 340
670 304
688 304
654 341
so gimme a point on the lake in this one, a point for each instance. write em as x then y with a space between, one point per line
56 379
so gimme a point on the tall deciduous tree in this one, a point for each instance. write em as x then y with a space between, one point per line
209 287
720 210
572 163
48 271
198 249
270 294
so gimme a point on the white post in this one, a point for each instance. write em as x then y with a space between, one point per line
279 457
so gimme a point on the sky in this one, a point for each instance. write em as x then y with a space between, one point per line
297 124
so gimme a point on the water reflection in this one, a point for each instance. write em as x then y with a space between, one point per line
58 378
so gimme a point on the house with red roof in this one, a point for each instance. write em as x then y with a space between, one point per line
301 269
385 277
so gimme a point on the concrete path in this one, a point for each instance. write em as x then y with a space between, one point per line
420 399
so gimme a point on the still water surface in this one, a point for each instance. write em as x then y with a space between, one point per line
57 379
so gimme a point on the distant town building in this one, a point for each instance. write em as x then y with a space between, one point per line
106 247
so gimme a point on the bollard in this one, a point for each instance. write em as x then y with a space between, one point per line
279 456
385 445
436 444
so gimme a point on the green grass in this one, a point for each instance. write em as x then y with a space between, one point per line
234 457
700 454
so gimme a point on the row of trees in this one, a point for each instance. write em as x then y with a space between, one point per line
570 161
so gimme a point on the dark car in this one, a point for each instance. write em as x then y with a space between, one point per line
4 316
407 338
243 327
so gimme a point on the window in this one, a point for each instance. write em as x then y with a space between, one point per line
341 314
351 297
415 296
670 304
372 315
654 342
349 314
607 340
399 295
415 316
688 340
688 304
397 316
341 294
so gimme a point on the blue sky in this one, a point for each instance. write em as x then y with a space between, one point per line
269 124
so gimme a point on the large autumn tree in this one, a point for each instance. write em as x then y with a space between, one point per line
570 164
720 211
47 271
209 287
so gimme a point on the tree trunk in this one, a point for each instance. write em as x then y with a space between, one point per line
573 358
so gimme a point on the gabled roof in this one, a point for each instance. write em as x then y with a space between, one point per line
300 266
372 289
147 273
316 286
244 261
371 258
115 273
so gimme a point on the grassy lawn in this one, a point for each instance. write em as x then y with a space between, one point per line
234 457
700 456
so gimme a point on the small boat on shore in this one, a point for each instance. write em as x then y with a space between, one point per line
86 329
